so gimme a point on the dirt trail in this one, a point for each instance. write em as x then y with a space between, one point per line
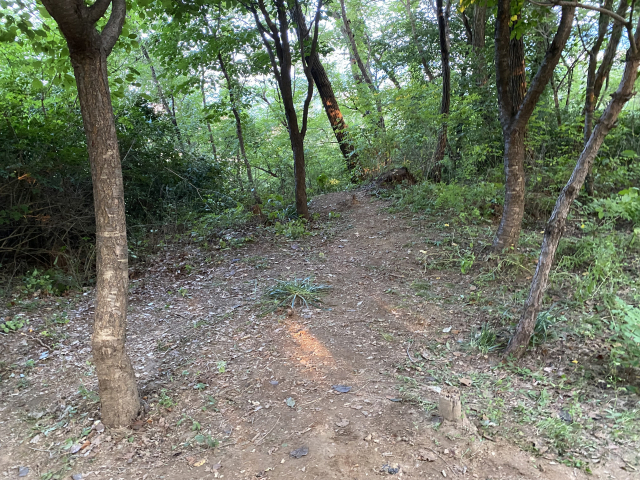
191 310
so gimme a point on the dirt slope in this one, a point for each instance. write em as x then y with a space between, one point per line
190 310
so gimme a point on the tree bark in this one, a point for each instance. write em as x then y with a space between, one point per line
366 77
328 98
478 41
556 224
516 107
240 135
89 50
446 89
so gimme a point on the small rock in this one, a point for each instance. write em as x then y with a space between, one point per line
446 330
341 388
426 456
23 471
274 382
342 423
299 452
472 287
76 476
565 416
99 427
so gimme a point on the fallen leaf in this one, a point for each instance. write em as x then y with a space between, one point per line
200 462
446 330
290 402
466 382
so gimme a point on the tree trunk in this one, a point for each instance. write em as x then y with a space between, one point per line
556 100
325 90
204 106
555 226
517 104
446 89
165 105
423 57
88 50
236 114
478 41
595 79
363 69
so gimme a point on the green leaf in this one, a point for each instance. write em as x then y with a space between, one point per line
36 84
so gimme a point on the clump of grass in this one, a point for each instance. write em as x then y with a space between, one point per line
543 329
303 292
486 340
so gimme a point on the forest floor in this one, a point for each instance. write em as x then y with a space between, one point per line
234 392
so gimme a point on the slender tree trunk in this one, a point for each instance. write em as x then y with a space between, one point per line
163 99
517 104
423 57
446 89
328 98
556 100
117 385
478 41
595 78
88 50
204 106
236 115
361 66
556 224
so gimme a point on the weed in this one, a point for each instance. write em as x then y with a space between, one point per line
292 229
299 291
10 326
221 365
87 394
542 330
625 324
335 214
206 440
564 435
165 400
486 340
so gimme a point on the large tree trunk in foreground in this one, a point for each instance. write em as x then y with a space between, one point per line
516 107
240 135
555 227
329 102
443 32
89 50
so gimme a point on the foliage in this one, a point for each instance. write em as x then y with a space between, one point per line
626 328
303 292
292 229
625 206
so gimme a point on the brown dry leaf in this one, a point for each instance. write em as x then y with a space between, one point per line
200 462
466 382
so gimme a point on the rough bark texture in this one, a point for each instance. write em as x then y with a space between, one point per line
556 224
364 71
445 102
516 107
239 134
89 50
328 98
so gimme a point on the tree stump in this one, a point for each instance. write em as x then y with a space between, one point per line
449 405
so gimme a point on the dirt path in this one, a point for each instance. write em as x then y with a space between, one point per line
213 368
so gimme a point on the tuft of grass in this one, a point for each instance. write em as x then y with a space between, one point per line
303 292
486 340
543 330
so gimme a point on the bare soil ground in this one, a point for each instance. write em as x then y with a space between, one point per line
231 391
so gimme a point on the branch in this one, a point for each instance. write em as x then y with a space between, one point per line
113 28
613 15
96 11
549 63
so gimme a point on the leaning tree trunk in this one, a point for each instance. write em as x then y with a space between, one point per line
446 90
116 379
88 50
325 90
555 227
361 66
240 135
